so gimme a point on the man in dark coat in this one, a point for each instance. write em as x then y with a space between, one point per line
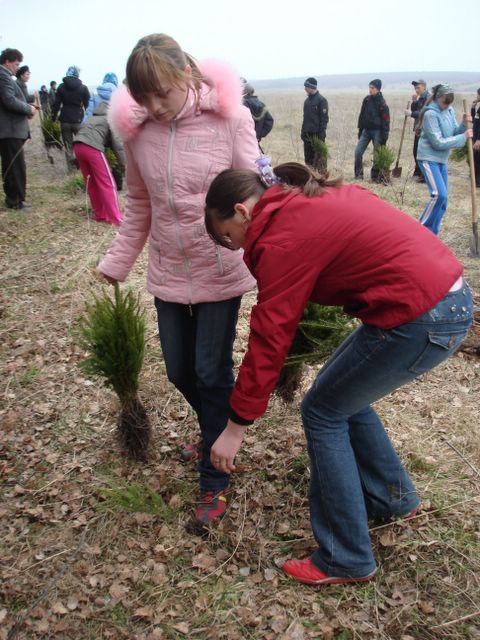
262 118
315 119
72 98
418 102
373 126
14 114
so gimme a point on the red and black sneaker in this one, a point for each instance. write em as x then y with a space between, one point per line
210 505
191 452
306 572
209 509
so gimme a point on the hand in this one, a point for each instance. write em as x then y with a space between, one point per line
226 446
408 113
102 277
414 97
476 145
468 134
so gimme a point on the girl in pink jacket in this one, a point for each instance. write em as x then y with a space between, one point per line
182 124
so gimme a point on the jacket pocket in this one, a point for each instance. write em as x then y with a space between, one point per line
439 346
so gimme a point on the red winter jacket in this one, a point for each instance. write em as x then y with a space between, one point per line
345 247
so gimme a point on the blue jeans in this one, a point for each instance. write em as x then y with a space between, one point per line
197 345
436 177
367 136
355 472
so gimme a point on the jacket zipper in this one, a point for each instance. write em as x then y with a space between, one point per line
173 209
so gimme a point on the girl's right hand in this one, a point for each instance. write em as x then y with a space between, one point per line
102 277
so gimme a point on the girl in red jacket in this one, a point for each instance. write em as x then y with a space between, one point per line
182 123
310 239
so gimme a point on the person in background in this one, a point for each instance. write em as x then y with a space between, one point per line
103 93
373 126
419 99
71 100
89 146
44 100
262 118
315 119
23 76
310 239
440 132
14 114
52 92
475 112
182 123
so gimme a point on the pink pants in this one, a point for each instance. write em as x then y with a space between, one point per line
101 187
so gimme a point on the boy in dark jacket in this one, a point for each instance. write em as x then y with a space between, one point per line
262 118
315 119
373 126
72 98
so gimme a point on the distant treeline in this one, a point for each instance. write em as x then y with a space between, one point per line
464 81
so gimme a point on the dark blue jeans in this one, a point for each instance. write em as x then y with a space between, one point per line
197 344
367 136
355 472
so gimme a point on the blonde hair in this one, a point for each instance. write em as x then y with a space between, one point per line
158 62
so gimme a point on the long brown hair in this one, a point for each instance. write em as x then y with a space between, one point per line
237 185
156 62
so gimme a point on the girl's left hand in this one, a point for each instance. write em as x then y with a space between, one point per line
226 446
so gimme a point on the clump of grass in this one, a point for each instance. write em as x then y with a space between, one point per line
320 331
113 332
134 497
74 185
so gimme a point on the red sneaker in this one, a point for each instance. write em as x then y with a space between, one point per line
192 452
210 506
305 571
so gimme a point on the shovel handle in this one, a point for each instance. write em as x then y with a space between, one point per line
472 170
402 136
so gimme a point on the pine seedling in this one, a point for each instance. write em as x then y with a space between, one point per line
321 153
320 331
113 333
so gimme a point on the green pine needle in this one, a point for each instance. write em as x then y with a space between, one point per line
113 332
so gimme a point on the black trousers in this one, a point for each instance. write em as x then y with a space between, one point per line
417 171
14 170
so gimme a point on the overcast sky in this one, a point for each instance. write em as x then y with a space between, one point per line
261 38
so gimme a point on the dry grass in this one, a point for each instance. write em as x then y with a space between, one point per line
95 572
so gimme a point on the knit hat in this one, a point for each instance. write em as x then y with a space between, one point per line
248 89
440 90
377 83
311 83
73 71
111 78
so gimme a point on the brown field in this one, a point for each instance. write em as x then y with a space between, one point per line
75 564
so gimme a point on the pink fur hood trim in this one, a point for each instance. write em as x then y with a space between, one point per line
221 93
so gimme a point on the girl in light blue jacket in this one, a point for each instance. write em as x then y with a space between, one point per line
440 133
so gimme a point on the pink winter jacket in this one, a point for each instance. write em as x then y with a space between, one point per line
169 167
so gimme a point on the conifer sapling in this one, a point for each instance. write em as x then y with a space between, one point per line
320 331
113 333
